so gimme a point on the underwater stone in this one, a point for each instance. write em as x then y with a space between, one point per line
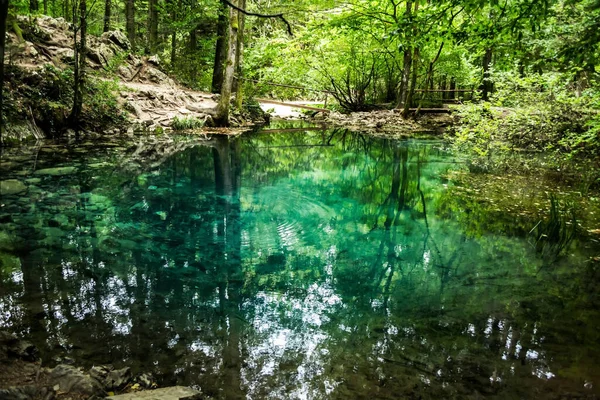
71 380
118 379
12 186
56 171
33 181
168 393
9 262
6 241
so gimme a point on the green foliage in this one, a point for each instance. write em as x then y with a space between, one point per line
47 98
101 107
185 123
527 116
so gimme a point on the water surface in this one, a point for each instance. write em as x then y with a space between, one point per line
301 265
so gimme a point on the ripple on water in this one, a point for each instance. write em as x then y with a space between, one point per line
298 219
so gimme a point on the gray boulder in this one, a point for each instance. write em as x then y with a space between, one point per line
118 38
71 380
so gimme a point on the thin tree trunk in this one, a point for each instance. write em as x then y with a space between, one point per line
239 50
3 16
192 52
452 93
413 83
153 24
487 85
34 6
222 115
107 7
130 21
45 7
174 7
220 51
79 75
406 64
429 78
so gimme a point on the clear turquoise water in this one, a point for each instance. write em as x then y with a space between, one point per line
303 265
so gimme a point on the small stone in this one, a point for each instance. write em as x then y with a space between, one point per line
56 171
71 380
168 393
12 186
118 379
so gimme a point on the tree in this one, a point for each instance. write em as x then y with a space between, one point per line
220 49
107 12
130 21
222 114
3 17
79 69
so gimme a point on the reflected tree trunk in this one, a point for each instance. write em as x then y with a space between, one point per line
226 155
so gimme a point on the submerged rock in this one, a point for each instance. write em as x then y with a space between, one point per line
168 393
28 392
71 380
13 347
12 186
56 171
118 379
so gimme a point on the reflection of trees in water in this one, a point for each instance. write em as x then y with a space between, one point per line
369 301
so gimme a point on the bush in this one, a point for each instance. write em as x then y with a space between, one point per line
529 115
182 124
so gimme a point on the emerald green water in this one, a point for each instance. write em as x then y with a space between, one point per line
302 265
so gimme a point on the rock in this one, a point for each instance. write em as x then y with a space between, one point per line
12 347
71 380
12 186
146 381
168 393
126 72
156 76
118 379
9 262
102 55
28 392
154 60
56 171
100 372
118 38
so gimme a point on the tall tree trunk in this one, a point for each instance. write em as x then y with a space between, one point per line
174 34
45 7
410 93
192 52
153 24
130 21
239 50
452 93
34 6
107 7
406 64
487 86
220 51
79 73
222 115
3 16
404 82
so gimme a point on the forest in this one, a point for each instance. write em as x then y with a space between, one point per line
533 63
311 199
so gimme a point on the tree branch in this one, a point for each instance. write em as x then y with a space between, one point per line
251 14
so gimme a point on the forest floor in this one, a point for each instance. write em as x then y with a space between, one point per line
152 100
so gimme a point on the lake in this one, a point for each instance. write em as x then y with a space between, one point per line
311 264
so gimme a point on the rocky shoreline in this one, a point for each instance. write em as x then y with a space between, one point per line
24 376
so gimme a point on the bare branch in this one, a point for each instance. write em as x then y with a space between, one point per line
252 14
